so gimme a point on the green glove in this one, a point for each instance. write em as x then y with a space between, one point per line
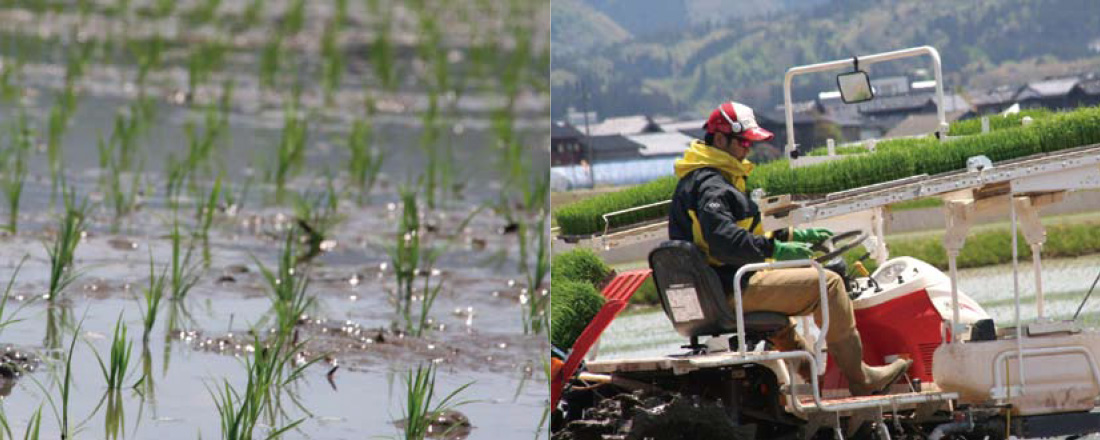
811 235
791 250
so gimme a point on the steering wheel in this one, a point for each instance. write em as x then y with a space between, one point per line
834 247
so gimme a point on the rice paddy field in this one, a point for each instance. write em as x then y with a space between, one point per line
249 219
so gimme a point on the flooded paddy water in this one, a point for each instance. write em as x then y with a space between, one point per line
203 158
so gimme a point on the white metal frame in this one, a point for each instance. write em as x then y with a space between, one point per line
831 66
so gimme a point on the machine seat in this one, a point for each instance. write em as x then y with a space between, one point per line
694 300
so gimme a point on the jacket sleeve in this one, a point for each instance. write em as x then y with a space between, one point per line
718 208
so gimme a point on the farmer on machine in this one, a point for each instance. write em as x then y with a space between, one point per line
711 209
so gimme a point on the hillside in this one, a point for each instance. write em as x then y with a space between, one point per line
576 27
687 70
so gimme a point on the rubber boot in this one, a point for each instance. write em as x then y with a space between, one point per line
864 380
789 339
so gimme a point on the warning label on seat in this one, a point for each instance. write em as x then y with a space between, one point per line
684 303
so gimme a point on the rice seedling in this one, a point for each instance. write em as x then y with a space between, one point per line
204 12
429 139
288 286
184 273
69 233
15 160
294 17
270 61
77 60
291 154
580 264
382 53
56 125
9 74
316 215
34 426
152 296
421 404
893 159
573 305
204 60
252 13
118 362
365 162
149 54
271 368
204 216
971 126
535 296
162 8
332 58
405 254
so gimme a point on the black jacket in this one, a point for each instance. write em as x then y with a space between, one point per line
705 201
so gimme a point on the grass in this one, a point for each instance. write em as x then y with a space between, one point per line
365 162
421 404
70 231
893 159
15 160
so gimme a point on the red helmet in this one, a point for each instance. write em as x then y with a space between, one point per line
737 119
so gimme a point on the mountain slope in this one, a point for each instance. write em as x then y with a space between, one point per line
746 58
576 27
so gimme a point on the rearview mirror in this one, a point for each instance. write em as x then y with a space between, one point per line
854 87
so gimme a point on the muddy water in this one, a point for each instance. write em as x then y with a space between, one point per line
1065 282
477 331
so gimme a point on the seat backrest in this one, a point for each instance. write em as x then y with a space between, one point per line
690 290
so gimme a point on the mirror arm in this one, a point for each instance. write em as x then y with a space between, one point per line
855 63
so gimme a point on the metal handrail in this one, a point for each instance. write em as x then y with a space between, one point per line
742 345
607 216
998 377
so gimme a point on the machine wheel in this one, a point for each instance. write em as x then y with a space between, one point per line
664 417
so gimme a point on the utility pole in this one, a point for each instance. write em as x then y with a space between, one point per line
587 133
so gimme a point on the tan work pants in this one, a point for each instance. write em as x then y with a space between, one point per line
796 292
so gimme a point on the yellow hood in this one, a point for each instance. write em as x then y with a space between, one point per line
699 155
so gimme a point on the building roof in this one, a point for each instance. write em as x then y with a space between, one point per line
660 144
625 125
921 124
1050 88
564 130
692 128
612 143
896 103
1090 87
994 96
